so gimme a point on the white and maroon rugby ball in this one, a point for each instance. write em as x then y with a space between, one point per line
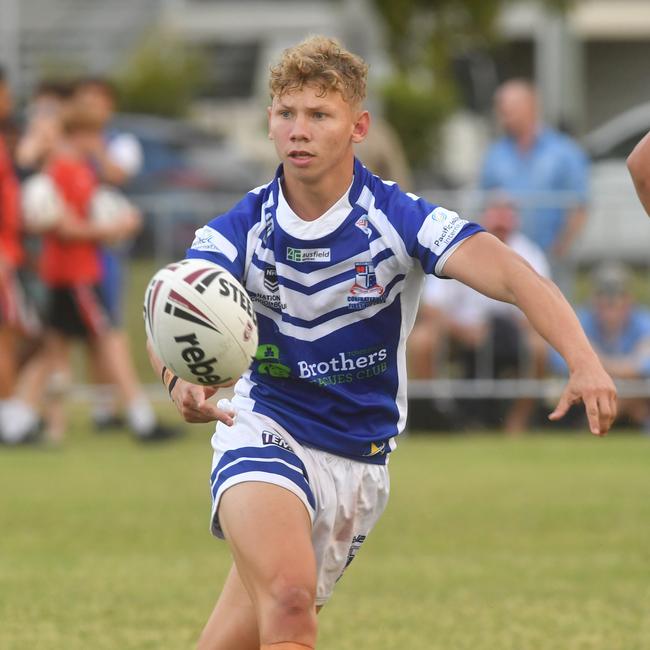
42 205
201 322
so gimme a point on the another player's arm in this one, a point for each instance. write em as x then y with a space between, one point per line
190 400
491 267
638 163
74 229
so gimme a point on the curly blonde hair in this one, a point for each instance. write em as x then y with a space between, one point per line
323 62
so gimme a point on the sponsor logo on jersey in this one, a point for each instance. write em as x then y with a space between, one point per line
273 438
268 356
308 254
365 291
451 224
271 279
441 215
357 540
363 224
345 367
205 240
270 301
376 449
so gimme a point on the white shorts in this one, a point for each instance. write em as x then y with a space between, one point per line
344 497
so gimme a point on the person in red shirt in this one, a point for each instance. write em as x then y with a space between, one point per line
11 255
71 270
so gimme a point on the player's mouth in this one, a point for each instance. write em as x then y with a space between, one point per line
300 158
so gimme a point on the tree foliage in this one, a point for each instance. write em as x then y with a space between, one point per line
424 37
161 77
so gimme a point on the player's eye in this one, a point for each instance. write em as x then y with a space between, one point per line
285 114
319 115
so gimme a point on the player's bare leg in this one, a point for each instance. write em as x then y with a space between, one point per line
7 362
269 533
233 622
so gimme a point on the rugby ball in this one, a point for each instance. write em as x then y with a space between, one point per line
201 322
109 205
42 205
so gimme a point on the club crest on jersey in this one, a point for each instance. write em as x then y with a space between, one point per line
365 291
363 224
365 279
271 279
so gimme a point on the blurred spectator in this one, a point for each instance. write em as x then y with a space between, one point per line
543 169
43 128
71 270
117 158
118 155
383 154
11 255
619 331
639 165
489 338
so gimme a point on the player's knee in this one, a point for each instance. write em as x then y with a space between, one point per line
292 598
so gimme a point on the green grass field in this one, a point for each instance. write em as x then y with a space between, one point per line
541 543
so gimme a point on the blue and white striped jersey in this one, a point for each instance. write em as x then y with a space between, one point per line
335 300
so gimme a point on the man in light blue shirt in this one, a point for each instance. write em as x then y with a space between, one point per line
619 330
545 170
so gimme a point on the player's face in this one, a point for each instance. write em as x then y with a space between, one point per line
313 135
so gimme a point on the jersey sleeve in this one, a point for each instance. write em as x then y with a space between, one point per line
430 233
223 240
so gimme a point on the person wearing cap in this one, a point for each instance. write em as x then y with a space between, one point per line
488 338
638 163
619 330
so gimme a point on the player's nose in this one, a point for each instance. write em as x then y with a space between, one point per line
300 129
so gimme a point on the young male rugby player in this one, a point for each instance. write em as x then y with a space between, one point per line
638 162
334 259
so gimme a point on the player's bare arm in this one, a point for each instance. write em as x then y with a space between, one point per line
638 163
489 266
190 400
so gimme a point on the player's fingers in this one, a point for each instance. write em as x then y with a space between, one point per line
561 408
613 401
593 411
608 410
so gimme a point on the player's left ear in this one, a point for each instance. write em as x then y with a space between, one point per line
361 126
268 114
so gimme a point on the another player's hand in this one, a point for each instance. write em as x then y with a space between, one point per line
193 405
591 385
121 229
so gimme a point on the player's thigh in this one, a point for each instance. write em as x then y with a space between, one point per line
233 622
269 532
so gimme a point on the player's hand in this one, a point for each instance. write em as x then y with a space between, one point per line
591 385
123 228
193 405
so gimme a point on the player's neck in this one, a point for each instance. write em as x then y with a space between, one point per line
311 200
